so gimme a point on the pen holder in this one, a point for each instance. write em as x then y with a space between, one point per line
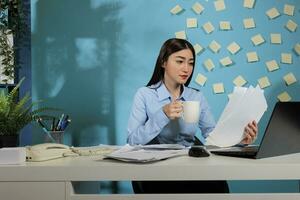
55 137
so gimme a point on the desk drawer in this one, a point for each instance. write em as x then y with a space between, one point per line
33 190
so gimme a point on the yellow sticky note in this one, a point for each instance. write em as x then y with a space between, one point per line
289 9
209 65
284 97
198 8
249 3
291 25
225 25
176 10
201 79
208 27
249 23
264 82
286 58
214 46
289 79
226 61
272 65
191 23
239 81
272 13
297 48
220 5
252 57
257 39
180 35
198 48
275 38
233 48
218 88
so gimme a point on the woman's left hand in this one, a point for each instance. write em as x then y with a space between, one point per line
250 133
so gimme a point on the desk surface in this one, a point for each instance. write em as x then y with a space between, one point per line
179 168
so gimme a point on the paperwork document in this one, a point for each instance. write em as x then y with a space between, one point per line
147 153
244 106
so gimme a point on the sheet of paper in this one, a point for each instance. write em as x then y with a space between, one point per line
257 39
275 38
191 23
201 79
235 98
208 27
289 9
233 48
284 97
226 61
225 25
219 5
264 82
286 58
180 35
239 81
249 3
198 48
176 10
218 88
297 49
272 65
209 64
215 46
252 57
243 108
198 8
291 25
289 79
273 13
249 23
140 155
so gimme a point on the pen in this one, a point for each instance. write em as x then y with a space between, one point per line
53 124
60 121
65 124
39 120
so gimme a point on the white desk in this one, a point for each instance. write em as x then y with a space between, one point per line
52 179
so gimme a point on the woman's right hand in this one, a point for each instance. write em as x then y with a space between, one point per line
173 110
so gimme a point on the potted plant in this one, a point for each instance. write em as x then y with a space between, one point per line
15 114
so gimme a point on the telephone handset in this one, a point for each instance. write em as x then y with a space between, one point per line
46 151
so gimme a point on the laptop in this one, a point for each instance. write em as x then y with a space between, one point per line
282 135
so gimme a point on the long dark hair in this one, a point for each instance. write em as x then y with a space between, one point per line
169 47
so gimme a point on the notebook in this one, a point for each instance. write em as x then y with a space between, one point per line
281 136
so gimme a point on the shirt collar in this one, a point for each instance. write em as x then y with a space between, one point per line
163 92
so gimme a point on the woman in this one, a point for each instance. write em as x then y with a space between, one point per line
156 115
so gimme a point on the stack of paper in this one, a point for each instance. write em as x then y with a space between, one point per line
148 153
244 106
12 156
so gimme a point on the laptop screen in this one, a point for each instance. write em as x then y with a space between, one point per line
282 135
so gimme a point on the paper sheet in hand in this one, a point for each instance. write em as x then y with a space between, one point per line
140 154
244 106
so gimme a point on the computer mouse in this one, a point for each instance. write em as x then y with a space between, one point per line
198 151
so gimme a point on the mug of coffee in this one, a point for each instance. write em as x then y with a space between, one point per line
191 111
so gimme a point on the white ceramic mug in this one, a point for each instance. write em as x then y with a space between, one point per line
191 111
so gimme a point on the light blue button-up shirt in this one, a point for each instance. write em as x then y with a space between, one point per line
148 121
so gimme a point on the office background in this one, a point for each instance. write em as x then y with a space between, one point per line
90 56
